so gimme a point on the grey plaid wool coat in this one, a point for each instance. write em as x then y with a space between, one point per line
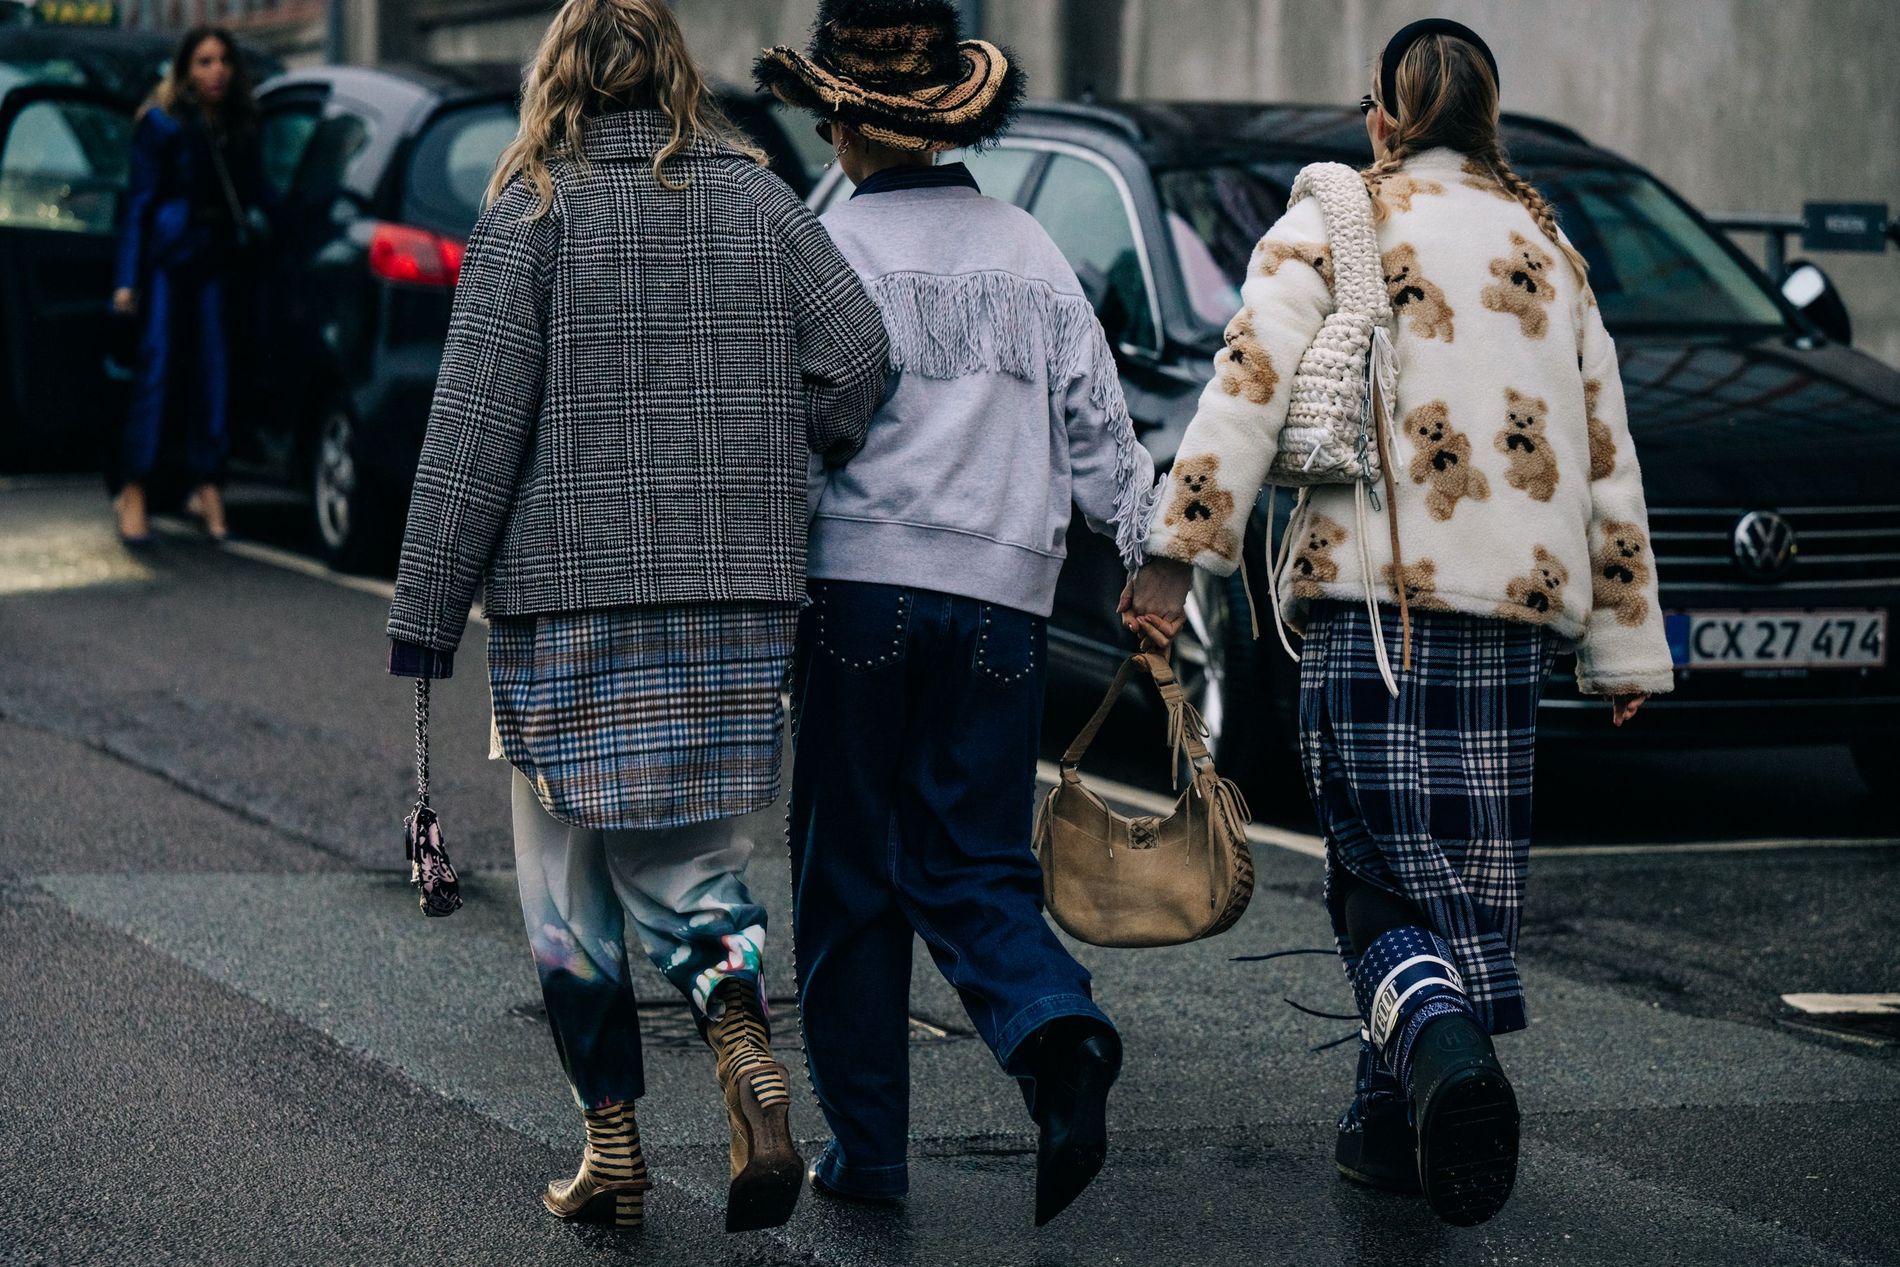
630 388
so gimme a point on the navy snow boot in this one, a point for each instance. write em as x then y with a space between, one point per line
1425 1034
1377 1146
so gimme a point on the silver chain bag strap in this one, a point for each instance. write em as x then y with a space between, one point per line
430 870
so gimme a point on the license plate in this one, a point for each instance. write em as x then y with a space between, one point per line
1778 639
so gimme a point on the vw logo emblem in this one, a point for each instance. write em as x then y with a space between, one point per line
1764 543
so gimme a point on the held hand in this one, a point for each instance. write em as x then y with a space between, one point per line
1623 707
1156 634
125 301
1155 603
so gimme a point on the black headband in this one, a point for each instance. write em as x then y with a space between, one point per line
1400 44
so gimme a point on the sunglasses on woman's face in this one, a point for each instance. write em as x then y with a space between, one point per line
824 131
1367 105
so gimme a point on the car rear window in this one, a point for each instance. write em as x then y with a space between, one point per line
1652 264
451 164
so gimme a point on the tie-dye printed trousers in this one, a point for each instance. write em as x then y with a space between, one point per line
584 892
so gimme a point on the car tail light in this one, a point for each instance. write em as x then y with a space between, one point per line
414 257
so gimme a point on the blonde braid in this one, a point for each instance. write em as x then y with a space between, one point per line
1396 152
1535 203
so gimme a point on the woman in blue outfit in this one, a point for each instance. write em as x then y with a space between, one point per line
189 210
934 555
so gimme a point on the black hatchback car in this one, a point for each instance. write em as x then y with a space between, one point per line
378 174
1769 452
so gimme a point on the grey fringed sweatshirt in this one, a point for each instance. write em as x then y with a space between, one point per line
1004 407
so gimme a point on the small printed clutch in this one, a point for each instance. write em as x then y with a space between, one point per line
430 870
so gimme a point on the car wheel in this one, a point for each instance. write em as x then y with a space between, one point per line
1229 676
1876 762
351 519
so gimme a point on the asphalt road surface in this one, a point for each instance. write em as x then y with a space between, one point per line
227 1036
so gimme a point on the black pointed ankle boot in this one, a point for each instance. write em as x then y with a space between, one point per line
1076 1062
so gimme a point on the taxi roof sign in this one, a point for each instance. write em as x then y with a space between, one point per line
76 12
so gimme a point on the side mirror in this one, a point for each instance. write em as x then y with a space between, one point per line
1811 293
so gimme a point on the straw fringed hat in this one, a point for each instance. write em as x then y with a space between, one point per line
899 72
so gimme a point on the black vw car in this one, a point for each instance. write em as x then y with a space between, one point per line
1770 453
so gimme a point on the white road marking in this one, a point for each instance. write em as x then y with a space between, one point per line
290 561
1844 1004
1846 1036
172 526
1717 846
1303 843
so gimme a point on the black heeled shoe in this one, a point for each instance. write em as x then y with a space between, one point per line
1075 1068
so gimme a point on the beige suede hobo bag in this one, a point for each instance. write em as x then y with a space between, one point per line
1111 880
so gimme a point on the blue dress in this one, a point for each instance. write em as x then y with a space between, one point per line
177 249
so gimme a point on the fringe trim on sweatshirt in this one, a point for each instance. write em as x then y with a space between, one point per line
1000 323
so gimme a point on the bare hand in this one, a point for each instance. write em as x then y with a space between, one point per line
125 301
1623 707
1154 604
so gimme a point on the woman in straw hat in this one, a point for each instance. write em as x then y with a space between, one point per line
651 334
934 556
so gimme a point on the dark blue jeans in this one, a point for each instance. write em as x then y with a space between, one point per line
183 356
916 717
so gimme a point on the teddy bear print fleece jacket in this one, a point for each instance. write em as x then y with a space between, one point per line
1518 494
1003 411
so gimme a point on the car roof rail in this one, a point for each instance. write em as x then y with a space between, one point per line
1084 112
1545 127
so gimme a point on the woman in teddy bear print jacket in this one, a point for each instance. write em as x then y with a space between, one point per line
1522 531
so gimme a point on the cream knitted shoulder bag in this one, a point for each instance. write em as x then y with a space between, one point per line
1339 420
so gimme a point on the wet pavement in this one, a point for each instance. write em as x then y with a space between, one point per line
228 1036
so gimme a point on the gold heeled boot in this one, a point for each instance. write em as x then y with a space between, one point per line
612 1184
767 1172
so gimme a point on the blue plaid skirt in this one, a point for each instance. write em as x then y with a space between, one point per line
645 717
1429 795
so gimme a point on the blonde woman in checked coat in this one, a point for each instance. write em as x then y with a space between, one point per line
1522 530
651 335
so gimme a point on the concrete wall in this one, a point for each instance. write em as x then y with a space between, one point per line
1742 105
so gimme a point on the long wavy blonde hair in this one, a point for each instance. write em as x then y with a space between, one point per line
1449 97
600 56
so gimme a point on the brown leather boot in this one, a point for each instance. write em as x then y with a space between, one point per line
767 1171
612 1184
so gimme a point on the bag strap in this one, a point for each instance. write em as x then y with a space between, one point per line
1358 271
231 200
1185 727
422 743
1086 736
